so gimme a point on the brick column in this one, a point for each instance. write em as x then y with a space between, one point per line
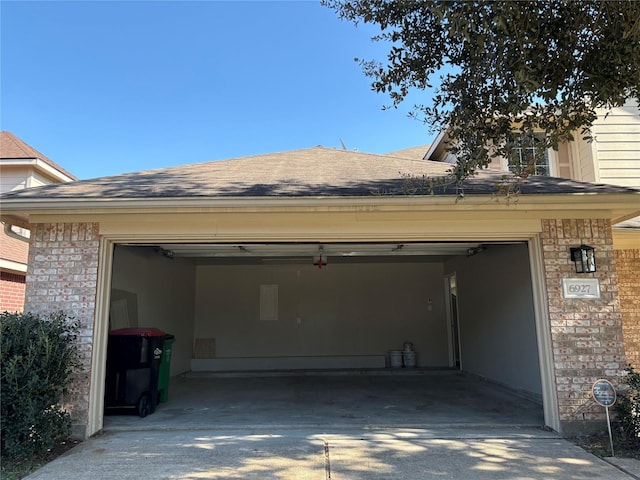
628 267
586 335
62 276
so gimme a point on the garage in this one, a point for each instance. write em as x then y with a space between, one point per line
327 260
310 310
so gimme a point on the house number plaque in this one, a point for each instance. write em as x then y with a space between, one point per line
580 288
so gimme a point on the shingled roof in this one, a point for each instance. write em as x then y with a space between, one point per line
415 153
315 171
11 147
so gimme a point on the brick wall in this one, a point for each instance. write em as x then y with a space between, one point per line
628 267
586 335
11 292
62 276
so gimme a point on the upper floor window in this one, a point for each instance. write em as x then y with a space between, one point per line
529 154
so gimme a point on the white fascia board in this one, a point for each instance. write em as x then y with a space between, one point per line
622 206
435 144
38 164
225 203
12 266
491 201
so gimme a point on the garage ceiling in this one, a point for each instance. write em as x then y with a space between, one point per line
304 252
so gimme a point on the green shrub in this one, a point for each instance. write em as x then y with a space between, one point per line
38 354
628 408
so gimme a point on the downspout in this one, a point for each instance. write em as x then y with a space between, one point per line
10 233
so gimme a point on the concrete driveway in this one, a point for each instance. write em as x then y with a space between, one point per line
332 427
308 453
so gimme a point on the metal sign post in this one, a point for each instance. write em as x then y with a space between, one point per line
604 394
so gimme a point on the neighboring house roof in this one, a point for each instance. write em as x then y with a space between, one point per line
313 172
12 148
22 166
414 153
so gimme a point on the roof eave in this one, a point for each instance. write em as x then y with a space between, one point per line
620 205
42 166
435 144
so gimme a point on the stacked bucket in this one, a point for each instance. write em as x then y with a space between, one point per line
403 358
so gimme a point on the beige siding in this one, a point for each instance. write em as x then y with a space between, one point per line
617 146
614 155
583 164
36 180
563 161
13 179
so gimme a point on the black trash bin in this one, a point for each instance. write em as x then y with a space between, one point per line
133 366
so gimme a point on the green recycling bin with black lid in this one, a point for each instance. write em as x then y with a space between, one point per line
165 368
133 366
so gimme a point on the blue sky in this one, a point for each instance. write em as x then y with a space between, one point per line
110 87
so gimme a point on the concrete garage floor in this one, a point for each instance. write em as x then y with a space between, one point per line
370 399
418 426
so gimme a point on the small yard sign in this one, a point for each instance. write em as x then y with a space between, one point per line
604 394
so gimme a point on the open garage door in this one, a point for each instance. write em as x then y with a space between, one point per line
252 307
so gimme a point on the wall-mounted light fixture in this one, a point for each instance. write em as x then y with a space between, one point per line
584 259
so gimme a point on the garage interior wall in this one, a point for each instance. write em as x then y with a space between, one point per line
341 312
363 309
496 315
161 295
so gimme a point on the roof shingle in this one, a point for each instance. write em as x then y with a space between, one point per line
11 147
315 171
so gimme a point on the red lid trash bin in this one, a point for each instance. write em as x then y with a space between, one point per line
133 366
